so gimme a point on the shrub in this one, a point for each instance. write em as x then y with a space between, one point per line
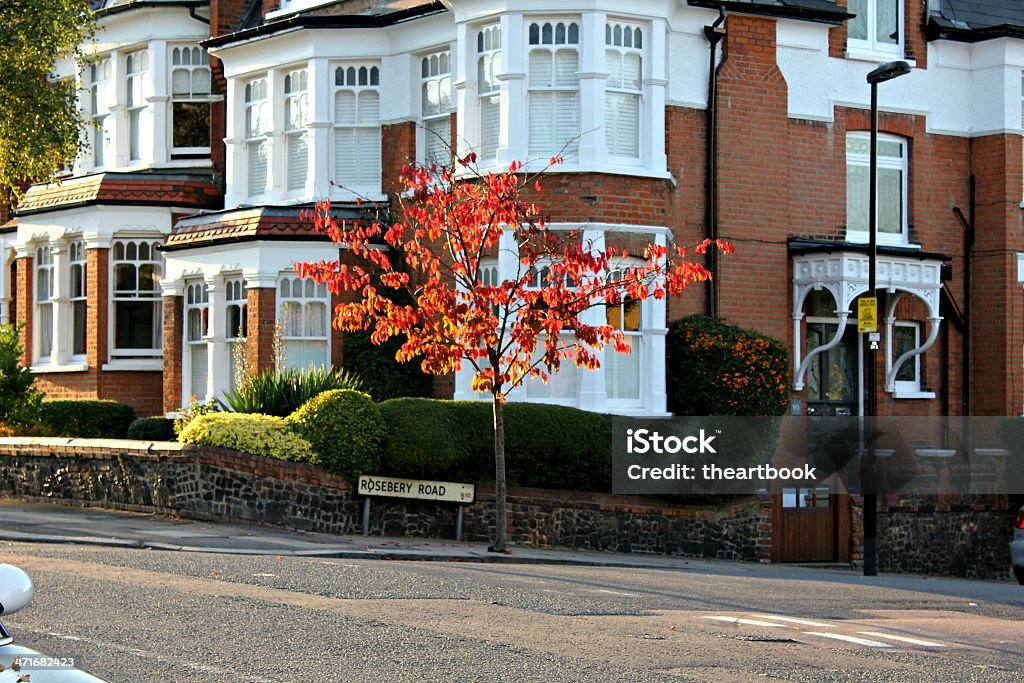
152 429
546 446
20 401
250 433
718 369
88 418
190 412
384 377
281 393
346 430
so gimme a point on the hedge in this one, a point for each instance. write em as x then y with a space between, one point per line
250 433
87 418
152 429
345 429
546 446
384 377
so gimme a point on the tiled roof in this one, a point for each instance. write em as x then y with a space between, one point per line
261 222
187 191
819 10
982 13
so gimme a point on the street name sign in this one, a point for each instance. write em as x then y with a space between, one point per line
446 491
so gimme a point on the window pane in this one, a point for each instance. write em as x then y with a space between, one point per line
890 201
44 313
124 278
906 340
79 314
887 21
149 277
191 124
631 315
858 26
622 371
136 325
199 369
303 354
857 198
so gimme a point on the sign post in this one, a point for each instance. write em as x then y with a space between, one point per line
440 491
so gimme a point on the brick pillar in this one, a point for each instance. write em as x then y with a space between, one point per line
262 315
97 295
174 320
23 306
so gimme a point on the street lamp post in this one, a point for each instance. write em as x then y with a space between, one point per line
884 72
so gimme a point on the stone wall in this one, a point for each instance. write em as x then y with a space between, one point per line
213 483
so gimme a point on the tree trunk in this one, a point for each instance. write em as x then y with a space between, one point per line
500 504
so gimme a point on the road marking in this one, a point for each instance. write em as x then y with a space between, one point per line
902 639
793 620
849 639
747 622
602 590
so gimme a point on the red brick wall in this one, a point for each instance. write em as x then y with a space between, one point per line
174 330
23 302
262 316
97 298
398 147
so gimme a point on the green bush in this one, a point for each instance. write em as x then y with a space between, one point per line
250 433
20 401
346 430
384 377
546 446
152 429
281 393
88 418
718 369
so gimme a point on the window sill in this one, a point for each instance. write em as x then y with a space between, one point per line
865 54
605 169
863 238
73 367
135 365
902 395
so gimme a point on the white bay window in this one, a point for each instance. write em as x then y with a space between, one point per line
554 96
191 88
197 329
488 66
137 67
295 119
137 267
623 89
78 300
357 146
436 105
302 308
44 305
257 124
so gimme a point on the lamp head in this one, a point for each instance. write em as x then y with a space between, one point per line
888 71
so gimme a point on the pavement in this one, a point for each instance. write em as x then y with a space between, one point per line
60 524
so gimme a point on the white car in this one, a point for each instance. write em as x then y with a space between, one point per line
19 664
1017 547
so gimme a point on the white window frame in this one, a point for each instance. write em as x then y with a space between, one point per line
296 136
78 283
885 162
311 296
871 45
101 96
363 81
435 132
636 337
907 387
196 338
136 71
236 303
554 37
44 303
193 63
137 294
489 62
257 127
623 40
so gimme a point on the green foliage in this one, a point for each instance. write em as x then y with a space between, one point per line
281 393
548 446
383 376
250 433
152 429
88 418
40 124
190 412
719 369
20 401
346 430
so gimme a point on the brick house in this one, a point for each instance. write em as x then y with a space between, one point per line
678 121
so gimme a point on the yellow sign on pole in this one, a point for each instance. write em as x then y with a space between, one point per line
867 314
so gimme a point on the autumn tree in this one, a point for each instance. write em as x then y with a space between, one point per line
524 326
39 120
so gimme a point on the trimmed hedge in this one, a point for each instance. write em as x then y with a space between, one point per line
384 377
546 446
345 429
152 429
87 418
250 433
719 369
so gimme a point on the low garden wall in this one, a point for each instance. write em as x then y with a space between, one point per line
203 482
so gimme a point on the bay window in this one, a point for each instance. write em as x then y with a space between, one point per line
295 118
236 297
623 89
302 308
892 188
622 371
137 267
44 295
357 156
436 105
257 124
137 64
191 87
77 299
100 99
489 65
197 329
554 95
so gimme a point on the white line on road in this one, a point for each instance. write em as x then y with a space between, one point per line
747 622
602 590
849 639
793 620
902 639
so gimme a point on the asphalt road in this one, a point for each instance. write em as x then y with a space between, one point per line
146 615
